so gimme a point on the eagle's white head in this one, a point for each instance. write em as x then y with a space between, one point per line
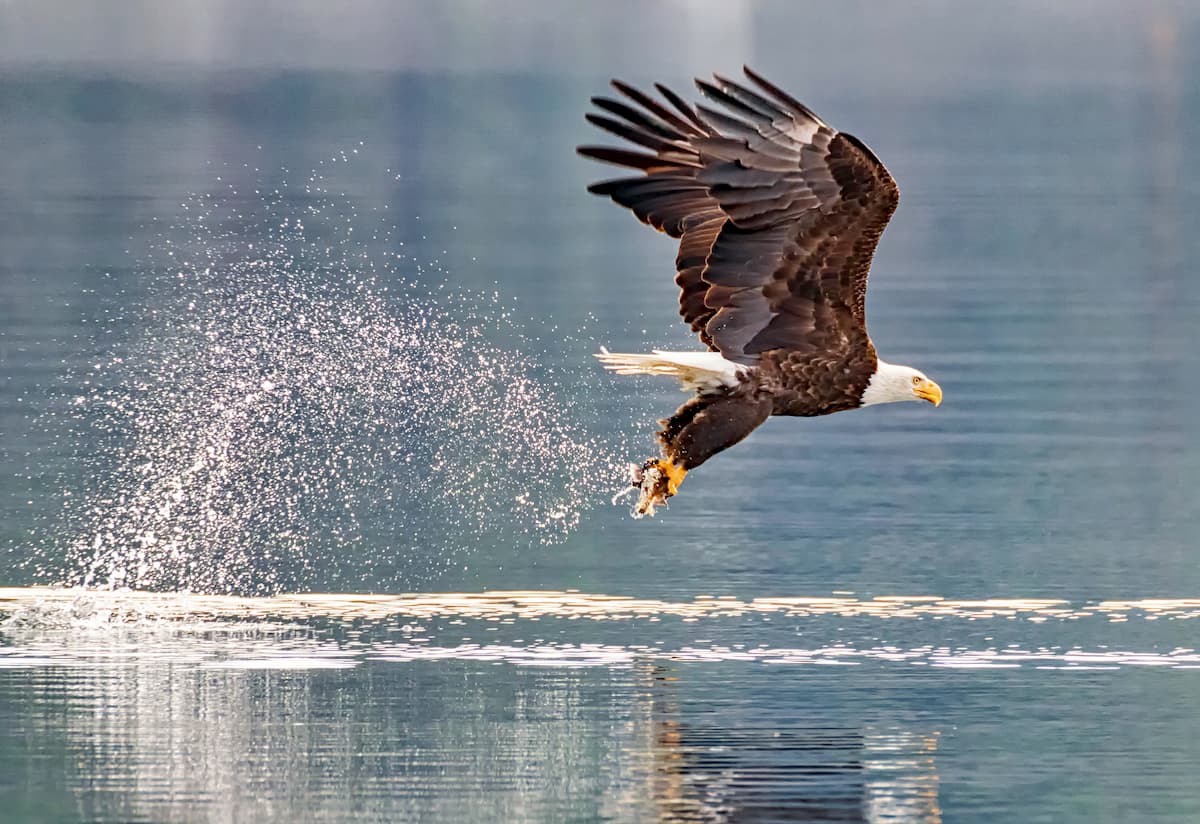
893 382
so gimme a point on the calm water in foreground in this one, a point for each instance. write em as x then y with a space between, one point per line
985 612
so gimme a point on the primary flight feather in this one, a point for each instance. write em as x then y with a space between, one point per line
777 215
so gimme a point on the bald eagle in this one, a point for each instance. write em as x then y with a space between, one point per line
777 215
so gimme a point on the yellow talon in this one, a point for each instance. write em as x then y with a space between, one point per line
657 479
674 474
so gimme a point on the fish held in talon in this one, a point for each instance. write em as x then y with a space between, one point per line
657 480
778 215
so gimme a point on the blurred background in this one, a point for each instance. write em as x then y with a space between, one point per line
1038 265
409 170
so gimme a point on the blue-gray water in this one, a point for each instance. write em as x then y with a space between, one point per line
1040 268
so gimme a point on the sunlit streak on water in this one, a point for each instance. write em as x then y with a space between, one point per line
511 605
274 633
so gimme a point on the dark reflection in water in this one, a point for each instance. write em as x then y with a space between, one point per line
708 768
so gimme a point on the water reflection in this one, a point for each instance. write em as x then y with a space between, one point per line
152 741
710 768
178 722
533 705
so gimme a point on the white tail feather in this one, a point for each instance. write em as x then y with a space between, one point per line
695 371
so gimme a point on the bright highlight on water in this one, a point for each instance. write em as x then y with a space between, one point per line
275 632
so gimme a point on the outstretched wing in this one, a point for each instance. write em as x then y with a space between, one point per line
777 213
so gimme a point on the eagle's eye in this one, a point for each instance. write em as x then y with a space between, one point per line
916 380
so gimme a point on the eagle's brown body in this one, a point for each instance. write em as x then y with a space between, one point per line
808 384
777 216
781 383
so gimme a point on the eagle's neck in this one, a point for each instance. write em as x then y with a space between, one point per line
890 383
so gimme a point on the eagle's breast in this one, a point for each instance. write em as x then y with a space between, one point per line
807 384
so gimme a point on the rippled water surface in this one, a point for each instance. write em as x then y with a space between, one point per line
553 705
247 326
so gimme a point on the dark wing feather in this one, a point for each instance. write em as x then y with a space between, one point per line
669 196
777 213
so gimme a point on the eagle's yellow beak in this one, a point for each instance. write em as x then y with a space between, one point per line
927 390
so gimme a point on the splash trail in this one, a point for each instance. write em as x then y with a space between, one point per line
288 380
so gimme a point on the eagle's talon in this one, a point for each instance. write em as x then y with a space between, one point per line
659 480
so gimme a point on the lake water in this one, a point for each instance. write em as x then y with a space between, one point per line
984 612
